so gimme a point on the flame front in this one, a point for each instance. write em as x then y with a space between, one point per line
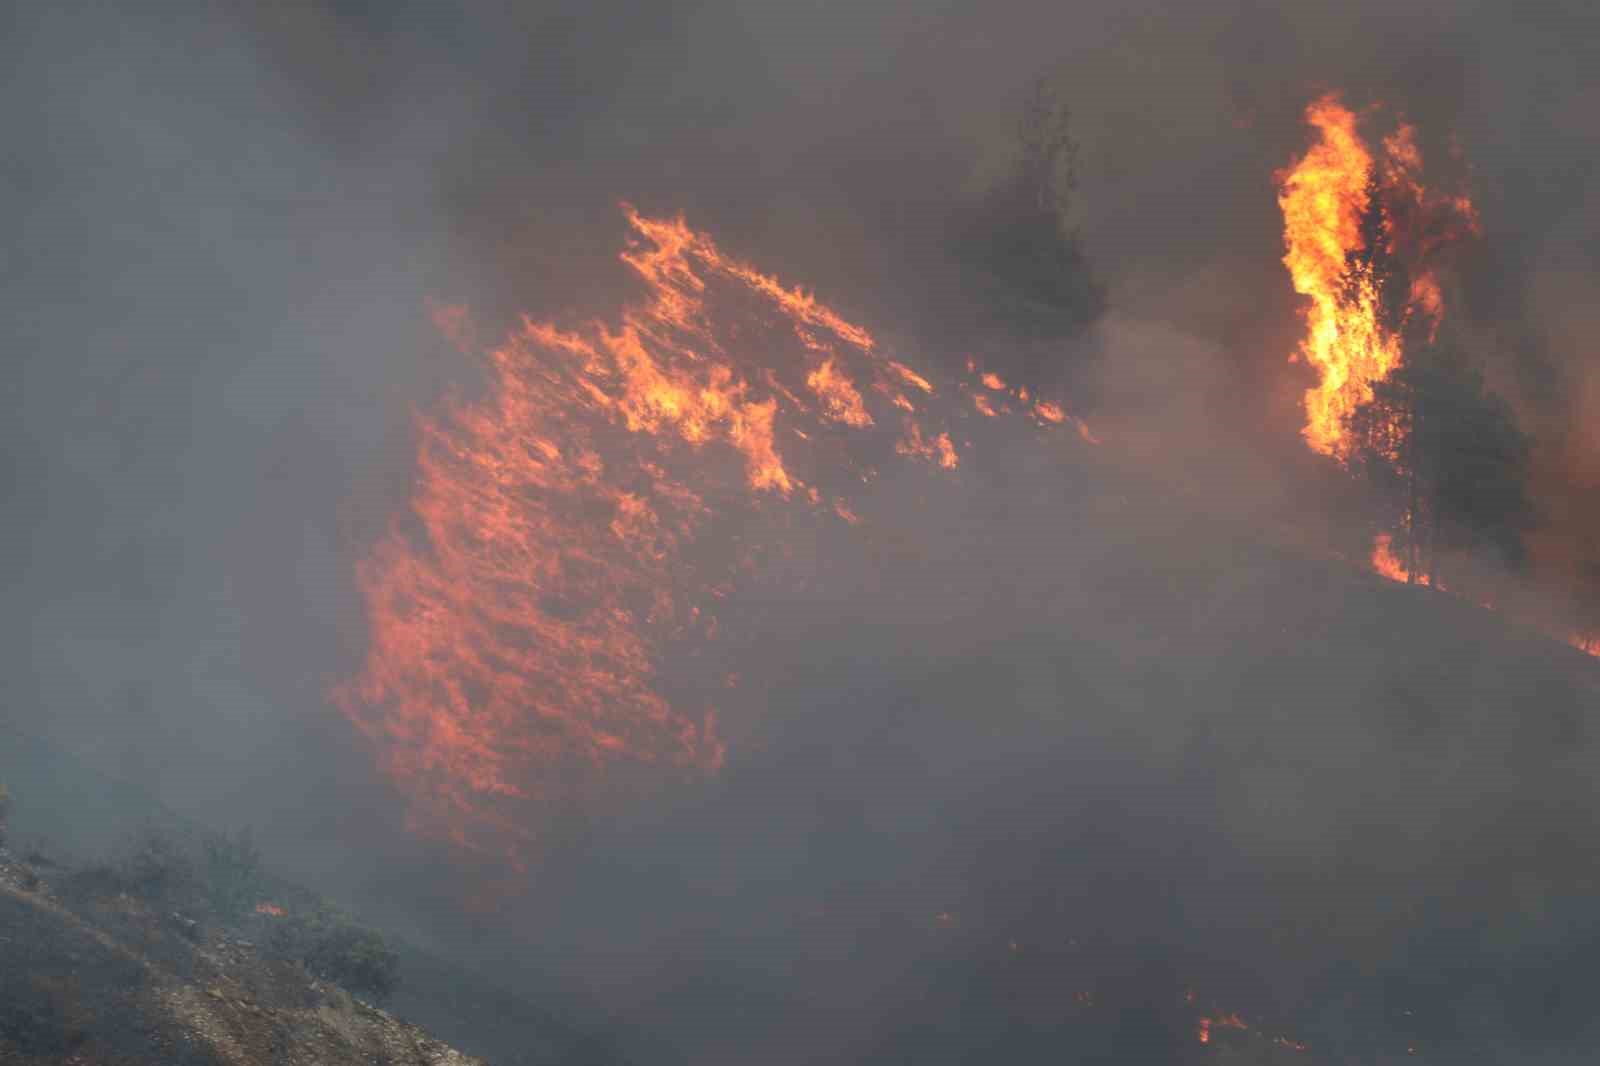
564 529
1385 562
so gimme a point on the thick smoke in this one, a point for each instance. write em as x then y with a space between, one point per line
1106 704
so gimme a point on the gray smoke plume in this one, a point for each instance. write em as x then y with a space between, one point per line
1092 703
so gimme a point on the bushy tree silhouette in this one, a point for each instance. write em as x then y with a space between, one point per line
1446 459
1024 267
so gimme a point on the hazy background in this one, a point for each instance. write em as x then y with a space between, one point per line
1066 708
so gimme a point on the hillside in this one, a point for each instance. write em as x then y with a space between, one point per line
93 974
92 856
1254 771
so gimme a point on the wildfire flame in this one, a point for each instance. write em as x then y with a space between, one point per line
563 530
1221 1021
1017 399
1589 645
1385 563
1390 566
1324 196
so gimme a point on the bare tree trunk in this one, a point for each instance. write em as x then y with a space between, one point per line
1412 546
1433 547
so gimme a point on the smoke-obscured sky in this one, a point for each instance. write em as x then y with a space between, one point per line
224 224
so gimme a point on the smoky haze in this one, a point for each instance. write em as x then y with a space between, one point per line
1093 703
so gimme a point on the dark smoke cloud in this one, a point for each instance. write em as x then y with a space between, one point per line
1084 704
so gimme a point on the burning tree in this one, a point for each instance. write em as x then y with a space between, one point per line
1403 409
1442 453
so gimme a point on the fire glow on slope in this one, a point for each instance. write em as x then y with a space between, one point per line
566 529
1385 563
995 398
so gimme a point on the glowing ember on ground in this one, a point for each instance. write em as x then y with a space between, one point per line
1050 412
1018 400
271 910
1221 1021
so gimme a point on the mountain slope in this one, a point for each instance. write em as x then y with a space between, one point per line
111 980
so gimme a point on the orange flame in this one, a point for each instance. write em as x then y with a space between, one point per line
939 448
518 618
1385 563
909 376
840 400
1043 412
1322 197
1203 1030
271 910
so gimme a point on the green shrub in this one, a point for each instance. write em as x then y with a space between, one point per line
356 959
234 879
160 871
336 949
